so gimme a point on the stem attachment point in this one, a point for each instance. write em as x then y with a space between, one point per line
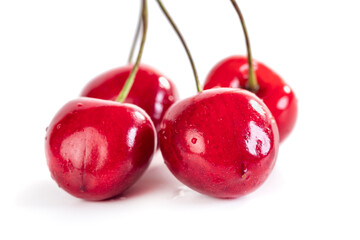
252 83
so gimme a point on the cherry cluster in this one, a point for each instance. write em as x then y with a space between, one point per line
222 142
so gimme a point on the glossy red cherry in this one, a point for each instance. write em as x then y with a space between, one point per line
151 91
96 149
276 94
222 142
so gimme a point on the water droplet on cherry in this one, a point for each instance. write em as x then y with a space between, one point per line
194 140
243 170
79 104
58 126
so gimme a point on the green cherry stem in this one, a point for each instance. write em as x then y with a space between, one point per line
252 81
166 13
136 36
129 82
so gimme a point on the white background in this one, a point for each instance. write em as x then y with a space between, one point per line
50 49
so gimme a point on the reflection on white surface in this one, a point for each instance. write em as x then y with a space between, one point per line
81 147
258 139
181 192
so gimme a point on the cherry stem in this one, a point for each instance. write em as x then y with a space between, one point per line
252 83
129 82
198 86
136 36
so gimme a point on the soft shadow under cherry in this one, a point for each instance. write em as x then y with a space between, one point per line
153 180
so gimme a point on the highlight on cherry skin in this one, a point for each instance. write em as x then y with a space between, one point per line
278 96
221 142
97 149
152 91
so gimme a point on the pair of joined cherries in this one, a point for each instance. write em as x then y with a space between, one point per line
222 142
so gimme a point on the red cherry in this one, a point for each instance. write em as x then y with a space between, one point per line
151 91
276 94
222 142
96 149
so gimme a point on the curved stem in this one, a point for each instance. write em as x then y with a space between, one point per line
198 86
136 37
252 81
129 82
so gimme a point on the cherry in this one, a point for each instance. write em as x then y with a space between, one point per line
242 72
97 149
222 142
151 91
276 94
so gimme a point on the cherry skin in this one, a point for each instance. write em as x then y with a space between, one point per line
97 149
151 91
222 142
276 94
